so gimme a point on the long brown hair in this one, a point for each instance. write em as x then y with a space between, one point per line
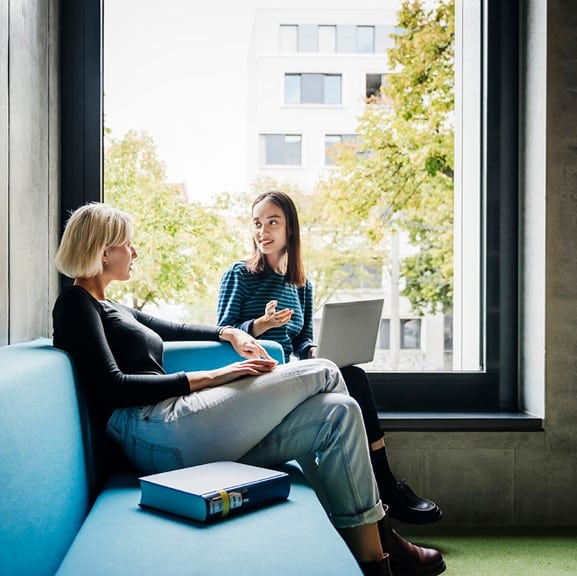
256 263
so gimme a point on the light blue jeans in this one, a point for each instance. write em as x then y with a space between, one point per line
300 411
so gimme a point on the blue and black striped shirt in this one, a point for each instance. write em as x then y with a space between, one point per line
243 296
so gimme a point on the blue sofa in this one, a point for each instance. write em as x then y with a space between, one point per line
66 510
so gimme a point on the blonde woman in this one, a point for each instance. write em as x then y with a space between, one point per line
164 421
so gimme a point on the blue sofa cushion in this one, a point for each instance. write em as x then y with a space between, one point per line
208 355
289 538
44 482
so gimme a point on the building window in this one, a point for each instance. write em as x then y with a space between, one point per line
365 39
282 149
373 84
411 334
327 39
308 38
312 88
330 38
448 332
333 141
346 38
289 38
383 39
385 334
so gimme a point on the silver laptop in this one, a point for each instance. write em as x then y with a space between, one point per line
348 332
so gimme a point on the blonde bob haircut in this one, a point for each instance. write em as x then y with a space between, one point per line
89 231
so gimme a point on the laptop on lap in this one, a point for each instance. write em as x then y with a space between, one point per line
348 331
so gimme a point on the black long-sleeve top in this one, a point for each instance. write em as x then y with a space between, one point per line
118 351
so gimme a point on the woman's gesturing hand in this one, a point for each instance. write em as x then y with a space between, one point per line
274 318
211 378
271 318
244 344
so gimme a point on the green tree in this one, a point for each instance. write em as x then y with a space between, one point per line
400 174
182 246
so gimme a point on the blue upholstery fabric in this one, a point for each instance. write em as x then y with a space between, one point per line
49 475
208 355
44 487
291 538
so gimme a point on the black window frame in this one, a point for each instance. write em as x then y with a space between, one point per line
493 389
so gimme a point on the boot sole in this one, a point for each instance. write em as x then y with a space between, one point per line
432 570
417 518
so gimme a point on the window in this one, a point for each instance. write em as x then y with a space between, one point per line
383 39
327 39
282 149
411 334
332 141
312 89
385 334
373 85
487 86
346 38
308 38
365 39
448 329
289 38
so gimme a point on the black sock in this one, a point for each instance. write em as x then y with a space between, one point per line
386 480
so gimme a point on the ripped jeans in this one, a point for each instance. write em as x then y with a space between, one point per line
299 411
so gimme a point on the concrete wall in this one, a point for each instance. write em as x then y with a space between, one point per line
29 166
527 478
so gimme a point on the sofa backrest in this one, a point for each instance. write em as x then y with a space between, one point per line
45 475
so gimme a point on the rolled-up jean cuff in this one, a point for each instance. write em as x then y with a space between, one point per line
370 516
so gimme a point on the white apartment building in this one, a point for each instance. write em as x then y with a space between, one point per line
310 74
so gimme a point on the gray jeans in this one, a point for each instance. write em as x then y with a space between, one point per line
300 411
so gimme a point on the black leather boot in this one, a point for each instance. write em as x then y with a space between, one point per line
380 568
407 559
404 505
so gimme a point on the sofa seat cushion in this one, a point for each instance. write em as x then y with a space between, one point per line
293 538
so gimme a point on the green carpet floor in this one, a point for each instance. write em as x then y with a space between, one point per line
501 552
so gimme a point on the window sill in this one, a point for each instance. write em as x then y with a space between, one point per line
460 421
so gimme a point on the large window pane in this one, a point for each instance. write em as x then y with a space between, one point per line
220 123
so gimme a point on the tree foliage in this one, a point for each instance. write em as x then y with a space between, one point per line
400 175
182 247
